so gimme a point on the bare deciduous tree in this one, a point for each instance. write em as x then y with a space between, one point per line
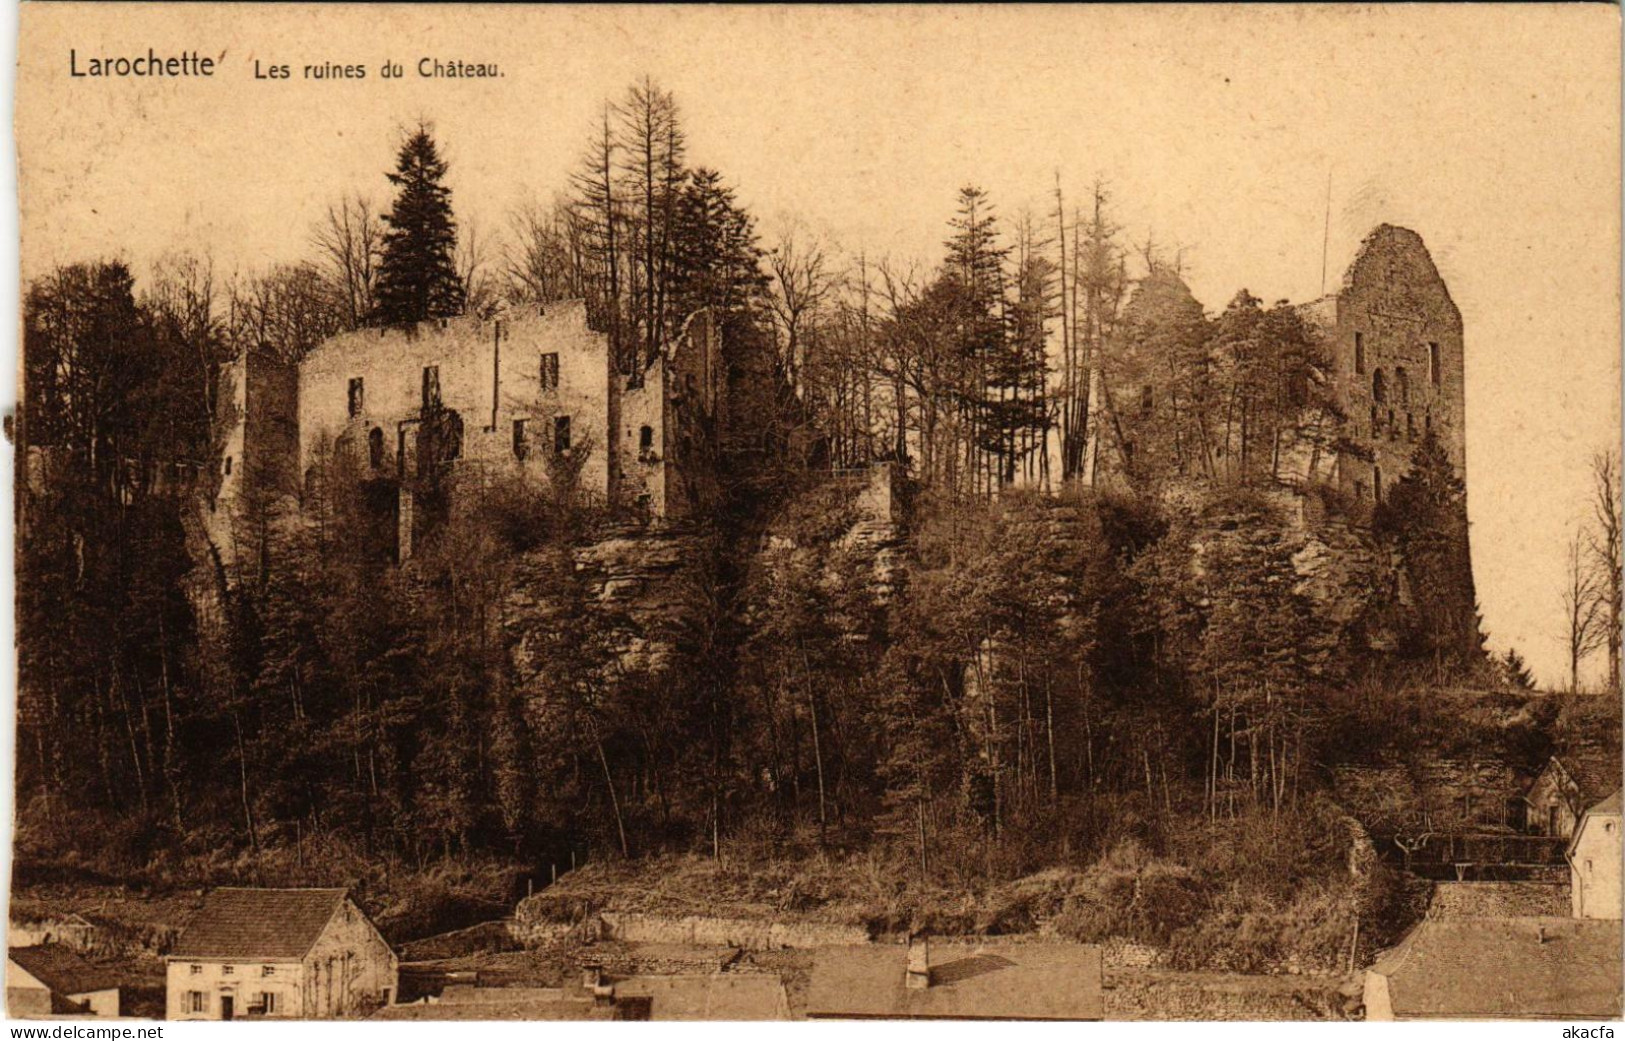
800 284
1582 609
348 240
480 291
1603 550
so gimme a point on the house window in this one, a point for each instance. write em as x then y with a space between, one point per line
550 371
431 387
227 970
197 970
646 442
1434 366
194 1001
561 434
521 442
1359 354
375 447
357 395
267 970
268 1003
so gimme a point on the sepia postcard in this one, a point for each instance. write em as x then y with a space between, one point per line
738 513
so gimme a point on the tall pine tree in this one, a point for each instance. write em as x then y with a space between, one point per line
417 274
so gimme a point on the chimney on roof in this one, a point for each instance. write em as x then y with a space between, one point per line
919 963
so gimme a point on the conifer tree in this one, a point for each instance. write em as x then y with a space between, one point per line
1425 515
417 274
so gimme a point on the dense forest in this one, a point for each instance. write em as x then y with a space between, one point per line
1050 672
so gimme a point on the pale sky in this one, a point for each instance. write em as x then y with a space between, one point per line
1491 131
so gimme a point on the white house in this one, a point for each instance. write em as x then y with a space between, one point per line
279 953
1594 861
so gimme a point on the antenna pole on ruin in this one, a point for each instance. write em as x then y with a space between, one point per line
1326 233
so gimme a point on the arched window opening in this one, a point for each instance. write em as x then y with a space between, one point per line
375 447
646 442
1434 366
1379 388
1359 354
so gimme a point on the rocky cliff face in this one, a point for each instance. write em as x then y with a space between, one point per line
644 588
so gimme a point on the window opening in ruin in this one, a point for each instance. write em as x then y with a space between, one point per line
1402 385
1359 490
357 395
1145 400
1376 425
550 371
431 386
1359 354
375 447
646 442
561 434
228 466
1376 482
1410 426
521 441
1379 388
1393 428
1433 362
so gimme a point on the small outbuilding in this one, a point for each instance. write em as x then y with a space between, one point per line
51 980
1499 968
280 953
1594 861
1038 981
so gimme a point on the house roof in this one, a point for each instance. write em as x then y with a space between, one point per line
1595 775
61 970
1018 981
1506 968
717 996
1608 805
259 924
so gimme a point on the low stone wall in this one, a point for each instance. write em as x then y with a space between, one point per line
747 933
1148 994
1500 900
